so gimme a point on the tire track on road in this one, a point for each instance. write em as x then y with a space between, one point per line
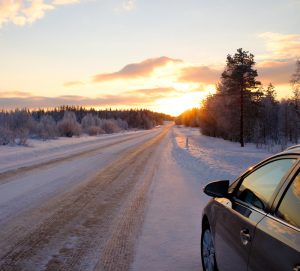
7 175
101 217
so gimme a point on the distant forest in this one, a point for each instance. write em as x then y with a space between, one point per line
243 110
17 126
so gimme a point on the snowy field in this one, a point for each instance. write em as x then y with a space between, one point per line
130 201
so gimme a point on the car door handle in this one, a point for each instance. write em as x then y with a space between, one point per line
296 268
245 236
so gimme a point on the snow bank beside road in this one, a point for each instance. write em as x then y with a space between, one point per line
170 238
223 159
37 151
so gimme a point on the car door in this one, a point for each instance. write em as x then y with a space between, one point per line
236 219
276 245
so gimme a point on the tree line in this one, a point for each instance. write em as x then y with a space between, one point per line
16 126
243 110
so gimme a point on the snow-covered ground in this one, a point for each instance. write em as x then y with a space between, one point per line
37 151
170 238
66 213
139 189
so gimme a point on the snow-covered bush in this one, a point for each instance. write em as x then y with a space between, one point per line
98 121
88 121
94 130
122 124
92 125
69 126
21 124
6 136
22 136
110 126
47 128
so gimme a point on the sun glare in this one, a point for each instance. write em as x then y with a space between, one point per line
176 105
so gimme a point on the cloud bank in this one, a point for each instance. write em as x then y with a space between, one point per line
138 97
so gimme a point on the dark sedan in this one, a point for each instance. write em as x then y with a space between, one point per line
254 223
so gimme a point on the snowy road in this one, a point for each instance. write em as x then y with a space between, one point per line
124 202
80 211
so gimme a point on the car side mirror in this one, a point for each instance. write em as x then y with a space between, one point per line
218 189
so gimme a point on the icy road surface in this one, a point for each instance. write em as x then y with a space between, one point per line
130 201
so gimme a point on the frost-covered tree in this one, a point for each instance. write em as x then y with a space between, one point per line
110 126
17 125
295 82
268 117
122 124
88 124
47 127
21 124
6 136
88 121
69 126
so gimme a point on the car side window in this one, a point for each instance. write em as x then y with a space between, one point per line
289 208
258 187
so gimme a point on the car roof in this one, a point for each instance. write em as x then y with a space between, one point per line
292 150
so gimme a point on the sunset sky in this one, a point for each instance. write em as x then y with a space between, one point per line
162 55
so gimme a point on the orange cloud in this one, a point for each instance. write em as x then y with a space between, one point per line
135 70
200 74
155 93
277 72
282 46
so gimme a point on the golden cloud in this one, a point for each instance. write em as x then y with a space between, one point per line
151 91
21 12
136 70
282 46
200 74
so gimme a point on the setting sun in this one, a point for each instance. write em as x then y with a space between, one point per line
176 105
118 58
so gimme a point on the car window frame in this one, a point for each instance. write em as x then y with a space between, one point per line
280 195
285 185
269 205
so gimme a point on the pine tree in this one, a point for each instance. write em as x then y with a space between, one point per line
239 78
